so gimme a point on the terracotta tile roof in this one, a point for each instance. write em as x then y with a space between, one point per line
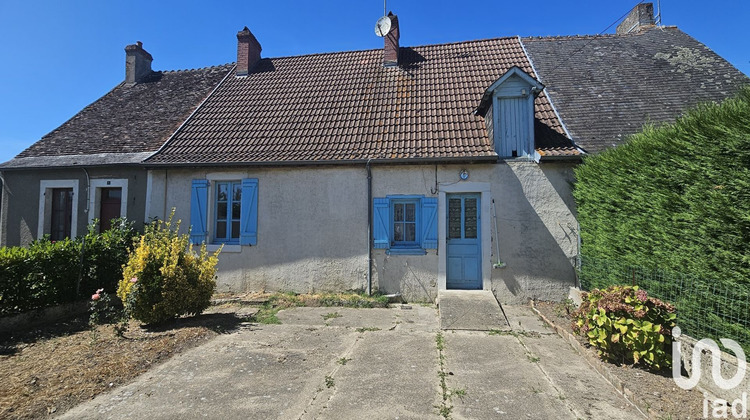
128 120
346 107
606 87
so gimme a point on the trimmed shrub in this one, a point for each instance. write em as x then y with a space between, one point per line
163 278
105 255
47 273
627 326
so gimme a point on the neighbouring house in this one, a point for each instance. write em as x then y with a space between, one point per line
408 170
90 167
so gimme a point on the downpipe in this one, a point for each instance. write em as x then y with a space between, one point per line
369 228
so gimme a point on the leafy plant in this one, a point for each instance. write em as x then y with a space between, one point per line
103 309
627 326
164 278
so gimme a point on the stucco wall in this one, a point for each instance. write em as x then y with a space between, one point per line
20 212
312 232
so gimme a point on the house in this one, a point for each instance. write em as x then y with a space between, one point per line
408 169
90 167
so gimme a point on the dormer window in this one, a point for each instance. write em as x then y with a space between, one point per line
508 109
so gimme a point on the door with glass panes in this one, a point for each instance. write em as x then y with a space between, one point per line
463 244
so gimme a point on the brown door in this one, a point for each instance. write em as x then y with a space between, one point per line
111 199
62 213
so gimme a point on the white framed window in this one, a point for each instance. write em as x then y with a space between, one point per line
58 208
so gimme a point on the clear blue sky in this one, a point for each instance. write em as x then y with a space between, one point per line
59 56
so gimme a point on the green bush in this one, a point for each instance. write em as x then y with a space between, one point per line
47 273
164 279
104 256
626 326
674 197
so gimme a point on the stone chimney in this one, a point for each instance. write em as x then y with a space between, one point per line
390 53
640 18
248 51
137 63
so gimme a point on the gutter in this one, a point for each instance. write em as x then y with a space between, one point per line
467 160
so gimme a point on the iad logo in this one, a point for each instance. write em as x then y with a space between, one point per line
720 408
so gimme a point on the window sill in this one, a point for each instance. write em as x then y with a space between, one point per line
228 248
406 251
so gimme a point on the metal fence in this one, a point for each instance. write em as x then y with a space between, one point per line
706 308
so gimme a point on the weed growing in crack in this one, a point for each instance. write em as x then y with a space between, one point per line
330 382
445 408
343 361
331 315
365 329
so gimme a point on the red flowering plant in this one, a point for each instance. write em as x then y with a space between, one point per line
103 309
627 326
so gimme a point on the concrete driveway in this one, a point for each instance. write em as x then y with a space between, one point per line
334 363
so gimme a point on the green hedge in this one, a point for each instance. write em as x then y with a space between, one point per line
47 273
674 197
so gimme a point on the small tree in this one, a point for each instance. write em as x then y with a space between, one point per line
164 278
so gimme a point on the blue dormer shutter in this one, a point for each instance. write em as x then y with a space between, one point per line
198 211
429 223
381 233
249 217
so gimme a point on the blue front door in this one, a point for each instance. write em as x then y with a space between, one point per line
463 250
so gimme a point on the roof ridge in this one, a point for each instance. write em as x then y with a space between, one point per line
615 35
217 66
380 49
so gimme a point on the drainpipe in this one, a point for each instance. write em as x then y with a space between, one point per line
369 228
83 243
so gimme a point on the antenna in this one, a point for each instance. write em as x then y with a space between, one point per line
384 8
658 13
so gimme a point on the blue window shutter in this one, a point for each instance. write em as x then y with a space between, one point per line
381 223
429 223
249 218
198 211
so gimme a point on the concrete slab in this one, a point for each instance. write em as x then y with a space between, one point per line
581 386
499 378
522 318
394 380
476 310
365 363
268 372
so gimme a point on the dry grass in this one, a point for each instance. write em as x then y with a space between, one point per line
50 370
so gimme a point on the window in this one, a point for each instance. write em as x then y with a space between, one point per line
58 209
227 213
234 212
62 213
405 224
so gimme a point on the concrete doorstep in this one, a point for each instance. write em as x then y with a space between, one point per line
337 363
475 310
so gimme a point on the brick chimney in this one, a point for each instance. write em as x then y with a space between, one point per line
390 53
640 18
137 63
248 51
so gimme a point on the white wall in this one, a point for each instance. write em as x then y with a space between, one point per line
312 230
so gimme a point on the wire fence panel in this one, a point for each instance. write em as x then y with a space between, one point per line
706 308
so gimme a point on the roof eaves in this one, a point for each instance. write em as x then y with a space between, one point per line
286 163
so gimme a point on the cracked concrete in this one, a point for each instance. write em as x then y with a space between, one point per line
337 363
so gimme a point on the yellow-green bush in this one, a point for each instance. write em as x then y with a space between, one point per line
164 278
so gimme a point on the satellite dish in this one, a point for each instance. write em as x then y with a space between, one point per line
383 26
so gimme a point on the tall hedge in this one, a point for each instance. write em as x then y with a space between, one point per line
674 197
